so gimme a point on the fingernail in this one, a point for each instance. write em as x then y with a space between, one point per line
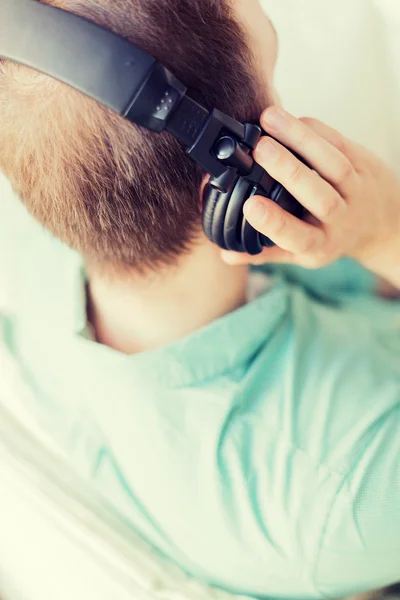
255 210
267 149
275 117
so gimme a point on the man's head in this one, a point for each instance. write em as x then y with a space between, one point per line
122 196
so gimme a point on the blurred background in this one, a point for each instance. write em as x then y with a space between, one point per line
339 61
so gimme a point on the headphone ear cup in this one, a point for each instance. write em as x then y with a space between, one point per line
239 235
223 220
210 199
234 215
215 205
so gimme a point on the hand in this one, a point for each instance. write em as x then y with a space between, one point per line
352 199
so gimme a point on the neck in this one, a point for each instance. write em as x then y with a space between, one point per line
142 312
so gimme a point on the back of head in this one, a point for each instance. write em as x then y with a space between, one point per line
121 196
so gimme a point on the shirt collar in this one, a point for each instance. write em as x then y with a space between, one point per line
209 352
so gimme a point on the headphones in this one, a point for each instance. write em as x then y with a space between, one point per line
129 81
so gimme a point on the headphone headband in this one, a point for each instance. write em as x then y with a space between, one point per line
113 71
74 50
126 79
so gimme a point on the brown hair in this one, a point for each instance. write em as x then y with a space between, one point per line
116 193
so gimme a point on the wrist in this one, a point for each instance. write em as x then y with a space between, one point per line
384 261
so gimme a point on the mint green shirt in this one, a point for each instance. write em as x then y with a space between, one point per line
261 453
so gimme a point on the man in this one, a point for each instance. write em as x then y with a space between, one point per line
254 443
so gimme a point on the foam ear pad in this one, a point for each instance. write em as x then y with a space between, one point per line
251 239
210 199
215 205
223 220
234 215
219 218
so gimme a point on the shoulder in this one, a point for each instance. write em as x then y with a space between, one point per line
318 440
332 398
329 373
360 546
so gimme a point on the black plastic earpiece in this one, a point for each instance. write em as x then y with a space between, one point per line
223 219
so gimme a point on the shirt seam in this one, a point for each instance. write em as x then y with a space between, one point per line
339 489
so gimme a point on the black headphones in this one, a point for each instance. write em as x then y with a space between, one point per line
133 84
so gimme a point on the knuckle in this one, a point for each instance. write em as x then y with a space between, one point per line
330 206
341 143
310 244
303 137
295 172
345 172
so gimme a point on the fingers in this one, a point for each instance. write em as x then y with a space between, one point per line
329 134
318 151
349 148
285 230
313 192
